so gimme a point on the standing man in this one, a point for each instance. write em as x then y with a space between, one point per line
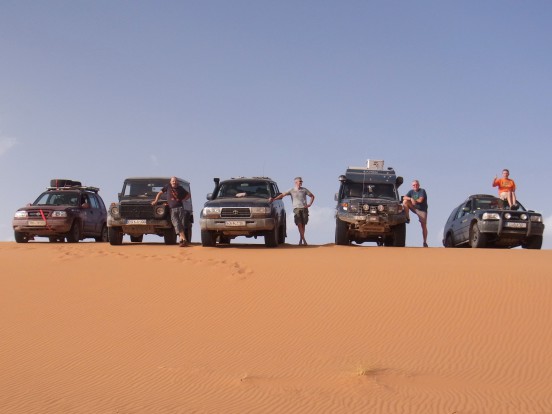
300 206
176 194
506 187
416 201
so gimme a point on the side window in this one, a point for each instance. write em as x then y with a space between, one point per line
275 190
94 201
460 211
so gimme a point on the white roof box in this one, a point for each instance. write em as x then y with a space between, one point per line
374 164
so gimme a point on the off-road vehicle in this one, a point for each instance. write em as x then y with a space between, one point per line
483 220
240 207
369 208
66 210
134 215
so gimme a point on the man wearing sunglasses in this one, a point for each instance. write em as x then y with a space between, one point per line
416 201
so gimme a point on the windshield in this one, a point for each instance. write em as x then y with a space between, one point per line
369 190
237 188
57 198
144 188
493 204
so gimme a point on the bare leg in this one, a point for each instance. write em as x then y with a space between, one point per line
301 228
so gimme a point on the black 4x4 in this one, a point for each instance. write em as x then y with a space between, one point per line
134 215
240 207
369 208
66 210
486 221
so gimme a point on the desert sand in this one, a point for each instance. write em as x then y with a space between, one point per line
149 328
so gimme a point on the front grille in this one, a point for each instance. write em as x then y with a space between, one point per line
36 214
366 208
235 212
137 211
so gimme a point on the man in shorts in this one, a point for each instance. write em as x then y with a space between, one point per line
416 201
300 206
176 194
506 188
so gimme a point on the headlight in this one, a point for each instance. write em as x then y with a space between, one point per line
211 211
21 214
523 216
160 210
59 214
490 216
381 208
354 208
537 219
260 210
507 216
345 206
114 210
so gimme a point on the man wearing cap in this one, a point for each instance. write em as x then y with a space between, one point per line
300 206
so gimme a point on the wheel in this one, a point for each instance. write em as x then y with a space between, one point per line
448 240
271 238
74 234
188 233
282 234
534 242
137 239
224 240
170 236
104 235
115 235
477 239
399 235
341 236
207 238
20 237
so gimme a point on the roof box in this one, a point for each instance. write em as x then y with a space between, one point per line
64 182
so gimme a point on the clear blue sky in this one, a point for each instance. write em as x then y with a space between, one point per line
446 92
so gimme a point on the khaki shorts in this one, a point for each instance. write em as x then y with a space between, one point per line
301 215
422 215
504 195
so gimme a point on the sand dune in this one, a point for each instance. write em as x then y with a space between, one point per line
92 328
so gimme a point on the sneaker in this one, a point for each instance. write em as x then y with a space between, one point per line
407 221
425 245
183 243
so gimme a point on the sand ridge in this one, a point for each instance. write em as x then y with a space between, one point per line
149 328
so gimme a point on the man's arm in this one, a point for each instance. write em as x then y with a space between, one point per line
278 197
311 195
154 202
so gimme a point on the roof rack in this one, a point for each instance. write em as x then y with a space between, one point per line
74 187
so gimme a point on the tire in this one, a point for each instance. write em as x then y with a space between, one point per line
534 242
170 237
137 239
341 236
74 234
282 234
188 233
271 238
20 237
448 241
399 235
104 235
115 235
224 240
208 238
477 239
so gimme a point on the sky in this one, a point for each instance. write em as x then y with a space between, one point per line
445 92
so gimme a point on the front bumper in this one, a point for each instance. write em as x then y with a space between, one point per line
372 223
502 228
139 226
51 227
246 226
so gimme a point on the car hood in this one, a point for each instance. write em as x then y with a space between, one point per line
368 200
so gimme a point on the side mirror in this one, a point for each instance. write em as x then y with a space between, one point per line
335 197
119 195
399 181
210 196
342 178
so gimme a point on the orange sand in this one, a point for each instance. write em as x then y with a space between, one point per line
149 328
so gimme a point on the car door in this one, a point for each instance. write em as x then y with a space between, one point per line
465 221
95 215
456 225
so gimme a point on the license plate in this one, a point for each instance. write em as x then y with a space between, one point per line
235 223
516 225
360 218
374 219
37 223
136 222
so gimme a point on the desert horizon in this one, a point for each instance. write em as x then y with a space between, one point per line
149 328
